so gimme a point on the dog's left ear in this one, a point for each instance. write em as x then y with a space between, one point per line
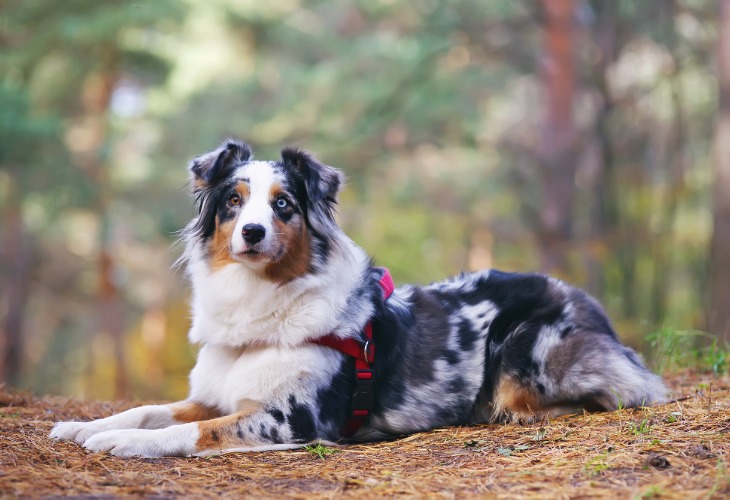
322 182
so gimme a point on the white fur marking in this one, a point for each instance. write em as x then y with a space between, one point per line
257 209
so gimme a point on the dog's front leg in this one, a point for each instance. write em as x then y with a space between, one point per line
144 417
231 431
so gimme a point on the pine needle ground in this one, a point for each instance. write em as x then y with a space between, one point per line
676 450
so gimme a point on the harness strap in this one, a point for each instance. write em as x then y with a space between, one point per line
364 354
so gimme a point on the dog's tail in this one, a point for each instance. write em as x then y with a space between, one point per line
591 372
577 362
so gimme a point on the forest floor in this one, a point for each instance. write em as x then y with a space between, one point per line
676 450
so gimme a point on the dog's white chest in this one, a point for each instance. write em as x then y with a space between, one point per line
233 307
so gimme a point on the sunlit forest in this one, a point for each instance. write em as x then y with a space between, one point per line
583 138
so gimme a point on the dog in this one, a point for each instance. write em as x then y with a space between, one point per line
305 340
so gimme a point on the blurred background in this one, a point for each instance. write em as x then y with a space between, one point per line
584 138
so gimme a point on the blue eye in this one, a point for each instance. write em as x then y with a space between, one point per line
282 203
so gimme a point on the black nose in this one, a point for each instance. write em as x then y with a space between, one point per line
253 233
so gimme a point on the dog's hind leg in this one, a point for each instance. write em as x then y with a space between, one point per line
516 399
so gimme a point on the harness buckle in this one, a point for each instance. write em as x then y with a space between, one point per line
364 395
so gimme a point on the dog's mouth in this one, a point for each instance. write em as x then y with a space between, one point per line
252 255
259 254
257 257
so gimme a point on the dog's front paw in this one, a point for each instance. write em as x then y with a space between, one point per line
78 432
139 443
123 443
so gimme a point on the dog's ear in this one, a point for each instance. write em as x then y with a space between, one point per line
210 168
322 183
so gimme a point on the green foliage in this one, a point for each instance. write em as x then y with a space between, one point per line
509 451
434 111
640 428
722 478
619 400
653 491
676 349
541 434
320 450
674 416
20 131
597 465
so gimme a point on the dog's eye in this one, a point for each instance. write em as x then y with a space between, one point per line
282 203
234 200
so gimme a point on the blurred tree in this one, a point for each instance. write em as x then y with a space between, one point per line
22 137
473 134
557 149
424 86
602 189
642 105
71 55
718 315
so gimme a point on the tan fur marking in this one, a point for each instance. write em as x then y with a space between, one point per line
243 189
294 237
275 190
296 260
221 433
220 245
513 397
188 411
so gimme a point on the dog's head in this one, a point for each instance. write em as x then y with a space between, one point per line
275 217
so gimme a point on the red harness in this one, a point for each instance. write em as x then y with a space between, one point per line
364 354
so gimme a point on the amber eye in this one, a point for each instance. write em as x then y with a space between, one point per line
234 200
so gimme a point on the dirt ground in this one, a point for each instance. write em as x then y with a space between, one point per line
677 450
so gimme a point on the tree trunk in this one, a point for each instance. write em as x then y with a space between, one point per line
16 258
604 210
96 97
557 148
674 161
718 313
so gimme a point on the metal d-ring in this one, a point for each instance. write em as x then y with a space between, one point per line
365 351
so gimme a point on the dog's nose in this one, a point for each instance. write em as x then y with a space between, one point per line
253 233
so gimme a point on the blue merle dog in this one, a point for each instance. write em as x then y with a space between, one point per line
273 277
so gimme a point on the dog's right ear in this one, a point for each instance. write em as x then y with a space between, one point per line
210 168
